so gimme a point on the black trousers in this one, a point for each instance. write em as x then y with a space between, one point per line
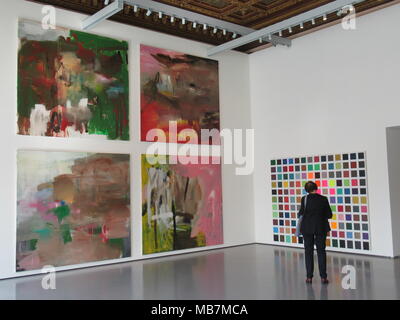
320 241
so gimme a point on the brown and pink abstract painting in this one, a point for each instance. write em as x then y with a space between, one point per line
181 205
72 208
181 88
72 84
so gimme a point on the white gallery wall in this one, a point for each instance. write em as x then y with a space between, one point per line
393 148
234 108
334 91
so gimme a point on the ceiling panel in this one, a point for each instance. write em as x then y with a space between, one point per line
255 14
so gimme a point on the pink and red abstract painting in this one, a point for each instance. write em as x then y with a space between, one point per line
181 205
181 88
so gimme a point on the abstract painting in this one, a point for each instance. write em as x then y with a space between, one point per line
72 208
178 87
71 84
342 178
181 205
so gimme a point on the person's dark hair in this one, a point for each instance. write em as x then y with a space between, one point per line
310 186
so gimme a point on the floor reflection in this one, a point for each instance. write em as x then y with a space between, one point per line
375 278
110 283
246 272
185 278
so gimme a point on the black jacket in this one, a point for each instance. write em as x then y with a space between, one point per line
315 215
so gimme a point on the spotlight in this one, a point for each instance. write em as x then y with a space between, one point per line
148 13
280 33
301 25
172 19
269 37
234 35
194 24
313 21
290 29
106 2
204 26
324 17
160 15
183 21
224 32
215 30
135 8
260 40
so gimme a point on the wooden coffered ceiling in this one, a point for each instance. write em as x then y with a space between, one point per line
255 14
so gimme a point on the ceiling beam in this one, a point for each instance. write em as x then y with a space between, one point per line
283 25
172 11
103 14
154 6
190 16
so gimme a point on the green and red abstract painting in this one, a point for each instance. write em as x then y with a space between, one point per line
72 208
72 84
181 204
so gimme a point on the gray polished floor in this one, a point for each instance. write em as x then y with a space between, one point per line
246 272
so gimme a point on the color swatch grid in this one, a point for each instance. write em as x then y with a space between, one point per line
341 178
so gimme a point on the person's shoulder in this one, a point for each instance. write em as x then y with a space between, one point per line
322 197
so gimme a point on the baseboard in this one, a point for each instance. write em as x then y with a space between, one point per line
129 260
330 251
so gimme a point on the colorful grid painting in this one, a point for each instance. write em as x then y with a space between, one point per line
342 178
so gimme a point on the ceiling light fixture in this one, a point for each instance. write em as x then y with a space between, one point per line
280 33
313 21
175 18
324 17
302 25
290 29
260 40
